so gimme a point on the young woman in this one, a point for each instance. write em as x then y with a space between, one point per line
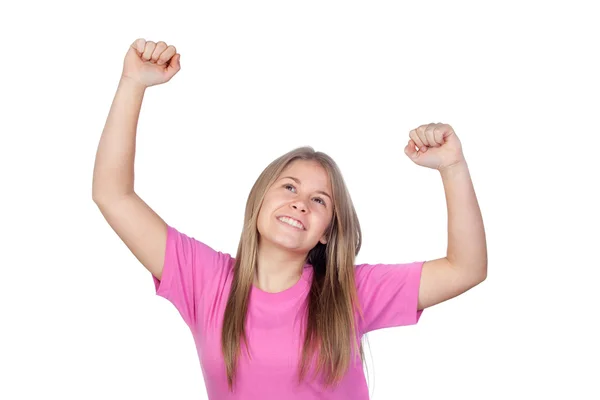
285 317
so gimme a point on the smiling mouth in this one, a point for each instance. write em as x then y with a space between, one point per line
291 222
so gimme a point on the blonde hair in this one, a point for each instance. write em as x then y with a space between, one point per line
331 328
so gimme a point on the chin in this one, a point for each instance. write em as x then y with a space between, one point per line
287 244
283 242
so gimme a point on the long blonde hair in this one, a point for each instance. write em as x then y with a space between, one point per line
331 328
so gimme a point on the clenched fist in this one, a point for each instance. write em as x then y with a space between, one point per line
150 63
439 147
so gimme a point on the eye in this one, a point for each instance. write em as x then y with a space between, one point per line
319 200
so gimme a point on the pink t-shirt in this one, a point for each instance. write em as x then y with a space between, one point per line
196 279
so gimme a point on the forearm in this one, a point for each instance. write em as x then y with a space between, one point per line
466 235
115 156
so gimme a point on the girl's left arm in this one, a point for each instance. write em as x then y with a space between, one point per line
465 264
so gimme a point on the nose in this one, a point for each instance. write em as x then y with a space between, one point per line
300 206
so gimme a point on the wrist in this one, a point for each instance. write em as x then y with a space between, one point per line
130 82
457 166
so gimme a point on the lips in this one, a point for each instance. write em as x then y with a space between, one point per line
295 219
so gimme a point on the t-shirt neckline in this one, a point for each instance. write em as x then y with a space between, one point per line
289 293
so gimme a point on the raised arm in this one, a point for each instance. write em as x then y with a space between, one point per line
465 264
138 226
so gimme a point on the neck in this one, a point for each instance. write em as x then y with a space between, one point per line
277 269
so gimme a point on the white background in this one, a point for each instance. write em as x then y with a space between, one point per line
518 81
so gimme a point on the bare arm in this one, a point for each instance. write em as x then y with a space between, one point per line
114 167
465 264
140 228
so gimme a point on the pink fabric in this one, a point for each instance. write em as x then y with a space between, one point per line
196 279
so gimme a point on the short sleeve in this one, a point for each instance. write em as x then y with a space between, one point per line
189 268
388 294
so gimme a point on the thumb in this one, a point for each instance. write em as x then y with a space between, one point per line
411 150
174 65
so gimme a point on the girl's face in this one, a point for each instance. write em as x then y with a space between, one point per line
298 208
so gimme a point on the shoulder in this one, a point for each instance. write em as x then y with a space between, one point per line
373 273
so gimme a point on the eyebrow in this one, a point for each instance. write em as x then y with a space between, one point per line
299 183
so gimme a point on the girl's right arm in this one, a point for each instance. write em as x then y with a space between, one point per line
138 226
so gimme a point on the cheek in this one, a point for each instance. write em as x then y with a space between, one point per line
266 206
323 219
262 212
273 202
260 221
265 211
328 219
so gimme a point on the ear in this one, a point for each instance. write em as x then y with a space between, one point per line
323 240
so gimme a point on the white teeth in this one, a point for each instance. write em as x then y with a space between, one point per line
291 222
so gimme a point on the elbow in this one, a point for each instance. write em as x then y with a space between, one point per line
483 274
104 198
